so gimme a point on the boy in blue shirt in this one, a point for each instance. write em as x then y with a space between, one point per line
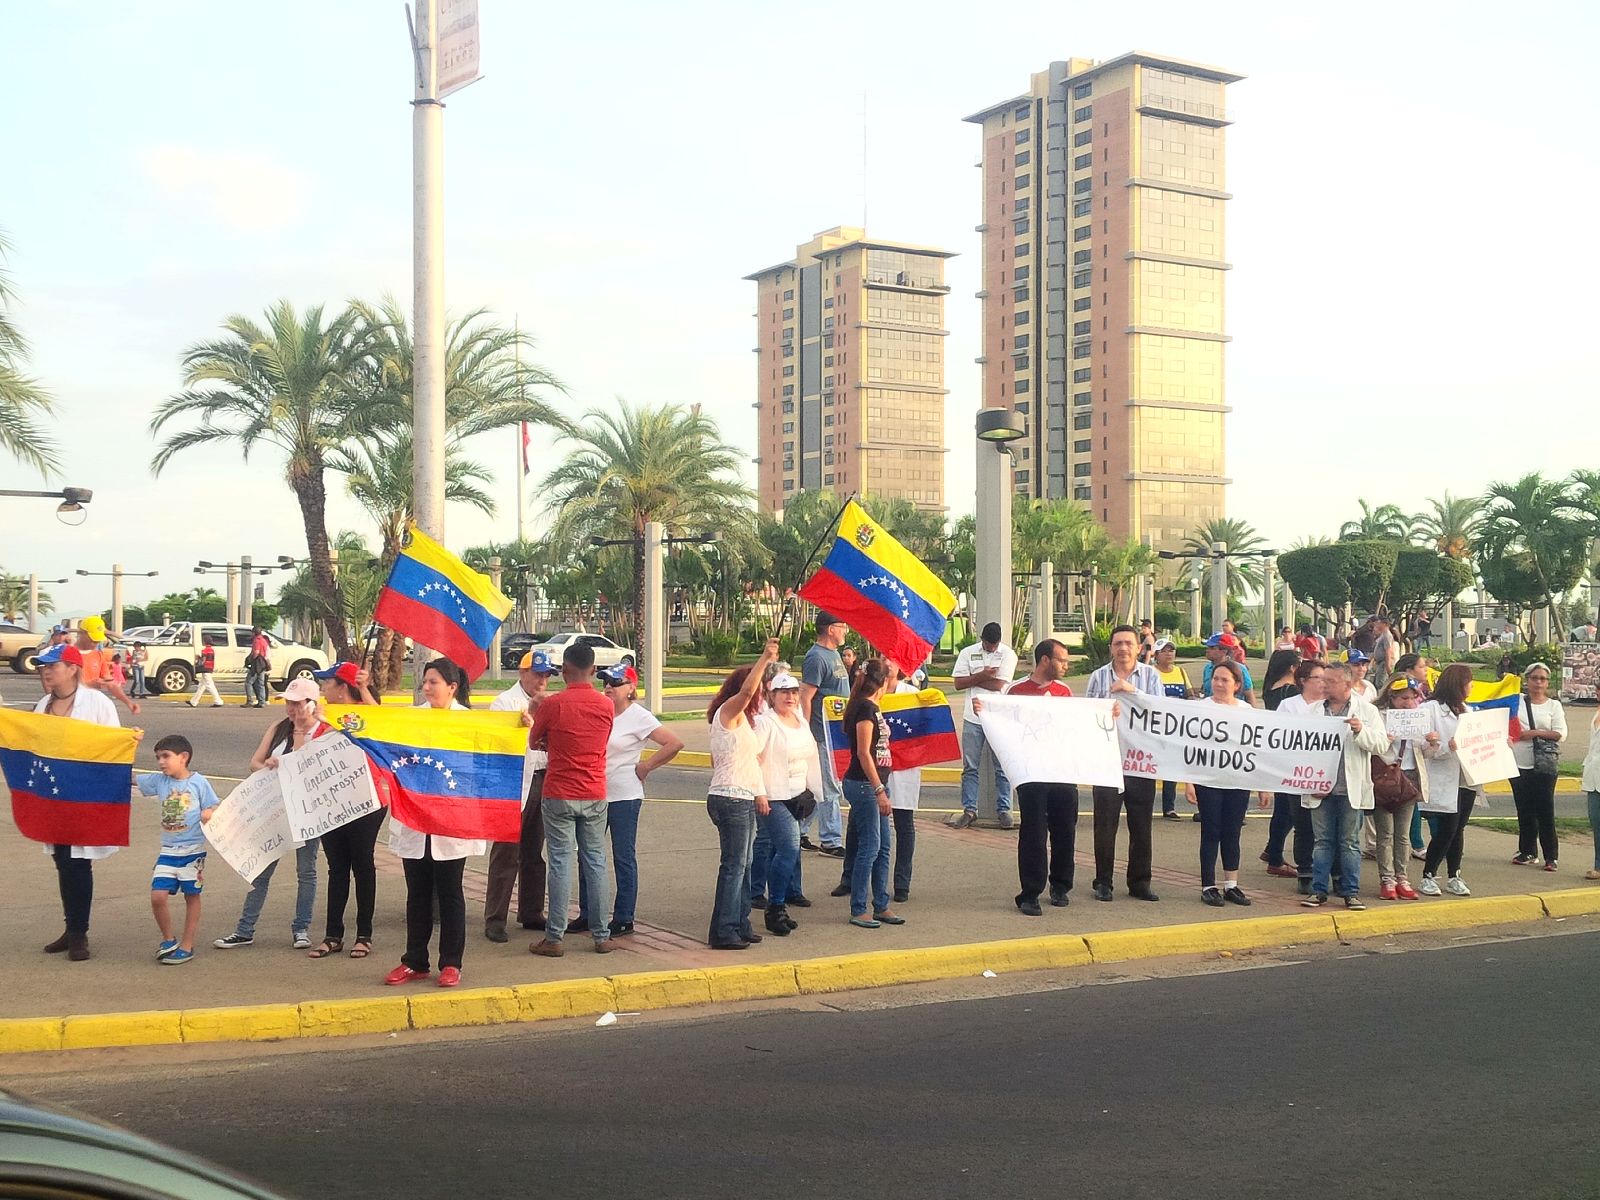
187 802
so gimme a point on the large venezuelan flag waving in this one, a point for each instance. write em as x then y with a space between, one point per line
441 771
71 781
882 590
436 599
922 730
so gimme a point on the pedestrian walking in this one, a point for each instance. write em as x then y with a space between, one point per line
1393 819
1537 749
138 659
989 665
1448 798
434 864
520 864
205 663
257 669
349 849
793 780
823 674
736 796
867 789
1222 810
303 724
1124 675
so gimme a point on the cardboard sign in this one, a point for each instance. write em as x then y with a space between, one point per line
1407 724
1482 746
325 785
250 828
1049 739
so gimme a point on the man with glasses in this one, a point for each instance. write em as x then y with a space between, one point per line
823 674
988 666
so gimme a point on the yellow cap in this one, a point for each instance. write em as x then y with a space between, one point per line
95 627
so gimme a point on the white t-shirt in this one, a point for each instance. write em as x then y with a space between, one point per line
630 731
974 659
88 704
789 761
1545 716
905 787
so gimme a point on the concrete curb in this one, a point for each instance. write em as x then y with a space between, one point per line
652 990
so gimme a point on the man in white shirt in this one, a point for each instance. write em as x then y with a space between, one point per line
66 695
1124 673
521 862
988 666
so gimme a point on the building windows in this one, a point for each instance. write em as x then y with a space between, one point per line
1023 408
788 406
1083 233
1021 342
788 349
827 360
788 485
828 478
788 464
1019 362
1080 349
1081 188
827 421
1084 138
1019 274
1081 471
1082 161
1022 477
788 389
1081 208
1018 295
1022 204
1083 445
1020 227
1019 387
788 447
1023 158
1080 399
1081 279
1083 91
1084 113
1081 304
788 427
1080 257
1082 375
788 295
827 322
1080 328
1024 111
1024 180
1082 420
788 370
827 440
827 381
1082 493
1021 137
788 314
827 302
1021 250
1021 318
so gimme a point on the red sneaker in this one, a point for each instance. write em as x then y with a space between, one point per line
404 974
449 976
1404 890
1387 891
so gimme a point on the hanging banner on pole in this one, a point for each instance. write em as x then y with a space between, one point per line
1229 746
458 45
1046 739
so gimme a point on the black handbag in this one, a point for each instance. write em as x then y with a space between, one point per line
802 806
1546 751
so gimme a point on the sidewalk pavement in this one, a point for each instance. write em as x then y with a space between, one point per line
961 893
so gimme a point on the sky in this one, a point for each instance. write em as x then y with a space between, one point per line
1412 301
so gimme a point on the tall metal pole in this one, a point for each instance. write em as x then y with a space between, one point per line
247 598
994 539
1194 607
654 615
1269 593
33 603
494 646
522 482
233 594
116 597
427 270
1219 585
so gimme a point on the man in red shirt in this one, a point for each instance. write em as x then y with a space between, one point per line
1049 810
573 726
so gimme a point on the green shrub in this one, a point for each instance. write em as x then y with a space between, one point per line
717 647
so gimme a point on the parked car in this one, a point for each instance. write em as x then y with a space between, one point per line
171 665
513 646
606 652
18 646
149 633
49 1152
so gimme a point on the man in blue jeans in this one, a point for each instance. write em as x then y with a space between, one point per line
823 675
987 666
1336 817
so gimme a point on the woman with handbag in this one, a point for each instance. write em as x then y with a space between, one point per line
1397 785
793 773
1448 799
1537 750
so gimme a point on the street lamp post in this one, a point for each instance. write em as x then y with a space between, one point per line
72 499
653 626
33 600
996 429
495 566
116 574
1269 600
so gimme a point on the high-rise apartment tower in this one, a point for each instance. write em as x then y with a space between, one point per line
850 393
1103 268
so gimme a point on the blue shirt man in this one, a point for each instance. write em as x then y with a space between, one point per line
822 674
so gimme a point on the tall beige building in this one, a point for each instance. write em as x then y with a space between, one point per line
850 393
1103 269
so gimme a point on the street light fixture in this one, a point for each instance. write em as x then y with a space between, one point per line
117 575
72 500
999 426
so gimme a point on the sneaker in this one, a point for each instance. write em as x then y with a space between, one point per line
1388 891
798 901
166 948
1315 900
1028 906
1551 865
233 940
964 820
1007 821
449 976
302 941
1420 855
758 901
1457 886
1170 816
621 929
1058 896
832 851
404 974
1404 890
1235 895
1523 860
1355 903
1211 896
806 843
177 958
1430 886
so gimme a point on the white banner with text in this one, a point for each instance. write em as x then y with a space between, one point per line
1228 746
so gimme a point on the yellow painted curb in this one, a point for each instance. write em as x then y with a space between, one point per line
660 989
1573 902
1208 937
762 982
334 1018
478 1006
255 1023
1439 914
24 1035
564 998
1035 954
122 1029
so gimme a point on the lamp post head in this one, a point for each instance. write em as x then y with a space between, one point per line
998 426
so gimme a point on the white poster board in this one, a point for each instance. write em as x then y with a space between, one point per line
1482 746
250 828
325 785
1407 724
1049 739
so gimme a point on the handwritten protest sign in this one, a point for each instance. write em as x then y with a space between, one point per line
1229 746
1482 748
250 829
325 785
1045 739
1408 724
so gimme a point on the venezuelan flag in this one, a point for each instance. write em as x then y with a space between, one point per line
445 772
71 781
436 599
922 729
882 590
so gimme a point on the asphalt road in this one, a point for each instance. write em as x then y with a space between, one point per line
1460 1072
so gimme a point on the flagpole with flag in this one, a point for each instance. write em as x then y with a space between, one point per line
522 436
438 601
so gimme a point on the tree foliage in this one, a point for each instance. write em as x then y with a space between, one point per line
24 402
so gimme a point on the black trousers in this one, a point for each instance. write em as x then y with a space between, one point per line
75 877
1305 843
521 864
1045 840
1449 835
1535 796
1138 796
350 850
426 879
905 845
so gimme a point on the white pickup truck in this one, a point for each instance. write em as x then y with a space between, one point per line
170 666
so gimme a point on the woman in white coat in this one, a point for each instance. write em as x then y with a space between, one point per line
1448 798
1337 816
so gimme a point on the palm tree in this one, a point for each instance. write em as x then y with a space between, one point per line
1385 523
14 597
1538 526
22 399
639 465
304 604
1240 537
1450 524
288 385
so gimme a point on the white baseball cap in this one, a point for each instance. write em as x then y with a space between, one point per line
783 682
301 689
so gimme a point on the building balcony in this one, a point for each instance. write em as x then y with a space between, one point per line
1178 110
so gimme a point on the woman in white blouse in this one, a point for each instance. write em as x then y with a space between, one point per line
1534 790
1448 799
434 864
793 775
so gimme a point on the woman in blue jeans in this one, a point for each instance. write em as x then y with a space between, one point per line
793 774
868 793
736 795
1222 810
1591 788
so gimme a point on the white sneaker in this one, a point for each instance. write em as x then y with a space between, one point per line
302 941
1457 886
1429 886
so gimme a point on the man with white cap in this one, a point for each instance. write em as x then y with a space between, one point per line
65 695
521 862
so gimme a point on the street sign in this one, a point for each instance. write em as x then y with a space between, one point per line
458 45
